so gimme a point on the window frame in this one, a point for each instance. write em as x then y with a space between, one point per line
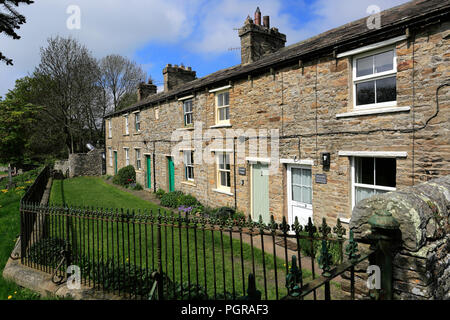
217 116
109 128
188 113
363 185
371 77
127 131
127 156
137 121
137 152
188 163
219 170
110 154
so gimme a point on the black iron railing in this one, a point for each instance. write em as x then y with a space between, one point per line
165 255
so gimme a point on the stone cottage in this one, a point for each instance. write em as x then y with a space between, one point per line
301 131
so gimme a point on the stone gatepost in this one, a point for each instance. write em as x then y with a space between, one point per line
413 225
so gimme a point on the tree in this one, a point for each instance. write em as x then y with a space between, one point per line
11 21
120 78
16 120
70 91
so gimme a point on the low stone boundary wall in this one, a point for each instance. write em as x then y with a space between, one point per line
82 164
421 258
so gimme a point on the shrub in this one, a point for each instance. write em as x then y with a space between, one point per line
125 176
159 193
138 186
187 200
170 199
224 212
239 215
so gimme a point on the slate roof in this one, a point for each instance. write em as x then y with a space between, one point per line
351 35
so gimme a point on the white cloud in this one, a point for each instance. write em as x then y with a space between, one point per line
107 26
203 27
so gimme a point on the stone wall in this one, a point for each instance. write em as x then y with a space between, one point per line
86 164
63 166
421 260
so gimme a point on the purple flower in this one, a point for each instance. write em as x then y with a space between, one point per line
185 209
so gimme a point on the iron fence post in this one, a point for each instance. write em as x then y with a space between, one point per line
159 278
385 234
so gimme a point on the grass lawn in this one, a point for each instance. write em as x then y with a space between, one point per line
92 191
9 231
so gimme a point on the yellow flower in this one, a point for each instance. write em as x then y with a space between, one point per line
15 292
5 190
9 297
29 181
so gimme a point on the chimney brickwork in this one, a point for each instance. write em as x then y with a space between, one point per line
175 76
146 89
259 40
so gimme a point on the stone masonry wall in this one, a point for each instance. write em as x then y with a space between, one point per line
86 164
421 264
306 100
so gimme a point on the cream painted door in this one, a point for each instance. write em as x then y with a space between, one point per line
260 192
299 185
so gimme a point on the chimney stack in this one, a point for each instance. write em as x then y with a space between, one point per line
258 17
145 90
175 76
266 22
259 40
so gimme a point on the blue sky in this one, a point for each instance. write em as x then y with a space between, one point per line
197 33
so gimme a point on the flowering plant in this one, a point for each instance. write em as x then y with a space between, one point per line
185 209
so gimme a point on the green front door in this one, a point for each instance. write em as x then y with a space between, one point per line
260 192
171 170
149 172
115 162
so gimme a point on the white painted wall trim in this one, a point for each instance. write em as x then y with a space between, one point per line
371 47
375 154
256 159
222 150
309 162
220 89
186 98
372 111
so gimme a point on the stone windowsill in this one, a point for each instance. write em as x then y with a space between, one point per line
359 113
186 128
224 125
189 183
222 191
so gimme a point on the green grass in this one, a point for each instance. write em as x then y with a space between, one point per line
90 191
9 231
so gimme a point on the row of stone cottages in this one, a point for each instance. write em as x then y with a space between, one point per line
354 111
